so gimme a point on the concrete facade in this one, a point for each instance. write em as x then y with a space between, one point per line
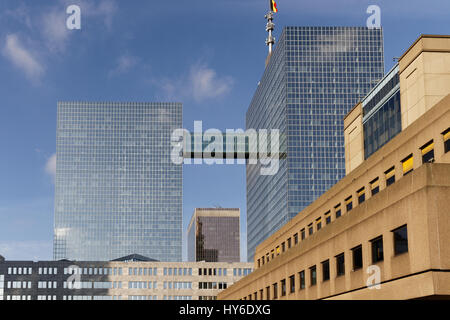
331 250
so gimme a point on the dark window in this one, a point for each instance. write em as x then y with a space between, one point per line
390 176
301 276
337 211
326 270
327 218
319 224
375 186
267 293
289 243
349 203
261 294
313 275
292 284
340 265
446 135
377 249
428 152
310 229
361 195
283 287
283 247
296 238
357 258
400 240
275 291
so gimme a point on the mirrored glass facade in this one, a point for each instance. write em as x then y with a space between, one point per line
314 77
382 119
213 235
116 189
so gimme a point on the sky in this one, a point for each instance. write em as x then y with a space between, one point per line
209 55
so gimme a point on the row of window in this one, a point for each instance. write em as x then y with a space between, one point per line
400 240
212 271
17 285
407 163
20 270
212 285
177 271
93 271
177 285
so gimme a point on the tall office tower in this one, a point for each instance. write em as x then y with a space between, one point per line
213 235
116 191
314 77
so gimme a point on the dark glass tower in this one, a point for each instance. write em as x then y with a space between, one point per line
213 235
314 77
116 191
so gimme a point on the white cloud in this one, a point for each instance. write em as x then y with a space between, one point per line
124 64
54 30
200 84
206 84
50 166
22 58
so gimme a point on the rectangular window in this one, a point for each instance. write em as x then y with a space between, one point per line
283 247
377 249
295 238
301 276
283 287
310 229
275 291
446 135
267 293
340 265
337 211
400 240
261 294
328 217
303 233
313 275
390 176
357 258
349 203
326 270
407 164
292 284
375 186
289 243
428 152
318 224
361 195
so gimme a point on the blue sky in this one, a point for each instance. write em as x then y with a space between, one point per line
207 54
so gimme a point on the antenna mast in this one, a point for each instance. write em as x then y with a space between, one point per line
270 26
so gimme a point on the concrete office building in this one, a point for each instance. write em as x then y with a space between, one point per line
213 235
129 278
117 191
314 77
381 232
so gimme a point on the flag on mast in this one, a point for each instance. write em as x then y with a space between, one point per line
273 6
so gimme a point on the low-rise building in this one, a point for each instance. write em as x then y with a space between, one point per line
129 278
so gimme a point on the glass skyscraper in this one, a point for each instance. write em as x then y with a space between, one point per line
116 190
313 79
